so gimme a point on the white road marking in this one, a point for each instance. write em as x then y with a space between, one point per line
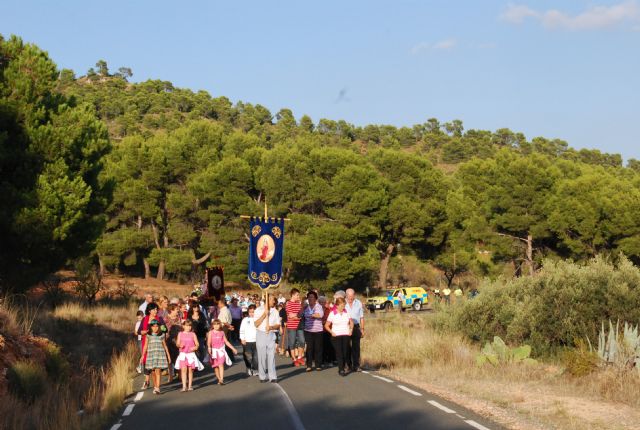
138 396
441 407
295 418
409 390
459 416
472 423
365 372
116 426
382 378
128 410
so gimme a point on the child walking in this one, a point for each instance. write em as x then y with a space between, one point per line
216 341
187 360
157 353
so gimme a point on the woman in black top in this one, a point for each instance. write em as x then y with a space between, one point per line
199 324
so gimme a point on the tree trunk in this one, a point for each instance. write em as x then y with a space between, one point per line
102 269
160 274
147 269
197 262
384 267
530 254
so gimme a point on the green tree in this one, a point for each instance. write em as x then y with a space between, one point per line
51 162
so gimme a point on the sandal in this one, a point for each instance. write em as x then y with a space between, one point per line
190 389
145 385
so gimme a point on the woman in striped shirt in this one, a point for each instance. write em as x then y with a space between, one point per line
313 313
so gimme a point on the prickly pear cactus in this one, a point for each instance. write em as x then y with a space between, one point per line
498 352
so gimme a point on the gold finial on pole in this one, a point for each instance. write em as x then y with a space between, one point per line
265 208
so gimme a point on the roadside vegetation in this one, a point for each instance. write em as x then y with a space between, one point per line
74 374
563 313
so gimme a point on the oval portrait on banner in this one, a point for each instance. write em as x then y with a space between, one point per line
265 248
216 282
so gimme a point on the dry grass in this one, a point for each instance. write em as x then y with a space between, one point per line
114 317
17 316
95 386
542 396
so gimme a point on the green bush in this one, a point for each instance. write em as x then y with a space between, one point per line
26 380
563 302
56 364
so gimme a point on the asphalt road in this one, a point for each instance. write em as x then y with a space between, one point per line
313 401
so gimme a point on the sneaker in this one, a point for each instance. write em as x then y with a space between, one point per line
275 381
145 385
309 369
139 368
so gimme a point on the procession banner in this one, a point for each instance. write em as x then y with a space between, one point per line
215 282
266 251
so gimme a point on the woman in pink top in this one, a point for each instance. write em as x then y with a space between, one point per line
340 325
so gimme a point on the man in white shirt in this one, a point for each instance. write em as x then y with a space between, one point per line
267 324
248 340
354 307
148 298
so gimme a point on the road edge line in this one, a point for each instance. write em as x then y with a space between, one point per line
293 414
474 424
441 407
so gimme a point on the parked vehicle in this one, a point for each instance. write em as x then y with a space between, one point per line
414 298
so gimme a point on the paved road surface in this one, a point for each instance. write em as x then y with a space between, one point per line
312 401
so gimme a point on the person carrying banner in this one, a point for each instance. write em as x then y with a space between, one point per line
267 322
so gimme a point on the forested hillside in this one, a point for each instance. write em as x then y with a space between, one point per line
184 165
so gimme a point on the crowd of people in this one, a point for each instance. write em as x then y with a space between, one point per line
179 336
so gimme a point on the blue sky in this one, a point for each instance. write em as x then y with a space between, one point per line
568 69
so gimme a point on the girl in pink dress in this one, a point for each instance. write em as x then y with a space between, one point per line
216 340
187 360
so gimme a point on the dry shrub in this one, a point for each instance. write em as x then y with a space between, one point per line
16 319
580 361
55 409
613 385
110 387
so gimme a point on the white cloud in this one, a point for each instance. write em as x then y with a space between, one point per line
594 18
442 45
516 13
446 44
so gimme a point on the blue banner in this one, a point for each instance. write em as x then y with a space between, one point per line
265 251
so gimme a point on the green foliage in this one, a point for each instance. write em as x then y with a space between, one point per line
184 165
27 380
51 156
498 353
563 302
56 365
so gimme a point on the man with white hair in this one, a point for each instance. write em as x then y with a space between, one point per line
148 298
356 312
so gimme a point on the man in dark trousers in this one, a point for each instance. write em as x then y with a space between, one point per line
356 311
